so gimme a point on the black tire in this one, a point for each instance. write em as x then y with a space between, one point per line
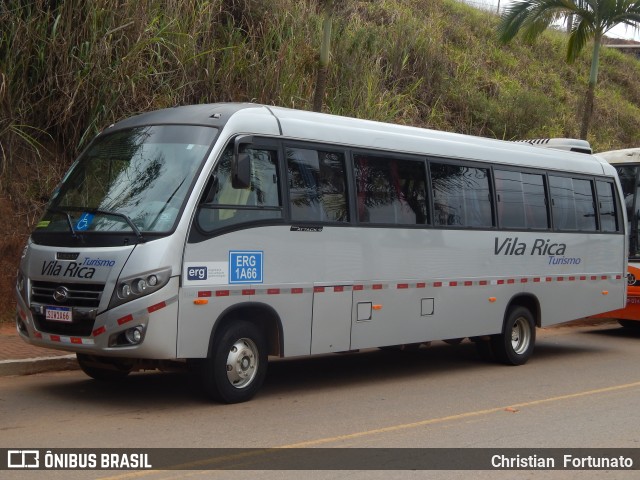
514 346
630 324
104 369
237 363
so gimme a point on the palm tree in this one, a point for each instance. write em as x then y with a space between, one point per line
591 20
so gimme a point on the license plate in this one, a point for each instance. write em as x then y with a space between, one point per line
58 314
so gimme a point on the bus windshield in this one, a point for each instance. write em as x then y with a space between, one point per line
630 188
131 180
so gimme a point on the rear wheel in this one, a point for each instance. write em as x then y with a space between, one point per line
237 365
104 369
514 346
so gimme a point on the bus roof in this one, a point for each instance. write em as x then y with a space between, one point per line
257 119
627 155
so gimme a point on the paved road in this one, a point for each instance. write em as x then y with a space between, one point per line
581 389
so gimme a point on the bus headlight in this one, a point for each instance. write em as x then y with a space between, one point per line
130 288
124 291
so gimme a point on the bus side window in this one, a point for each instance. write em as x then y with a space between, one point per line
317 185
390 190
608 214
536 213
461 195
521 200
573 204
511 211
225 206
585 205
563 204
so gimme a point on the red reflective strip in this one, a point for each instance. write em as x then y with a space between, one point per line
403 285
560 279
421 285
500 282
511 280
37 334
582 277
468 283
55 338
572 279
222 293
273 291
76 340
536 280
204 294
338 289
453 284
248 292
549 279
358 287
126 319
618 277
318 289
377 286
594 277
297 290
98 331
437 284
483 282
524 280
604 277
156 307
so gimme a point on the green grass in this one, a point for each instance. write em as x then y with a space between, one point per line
69 68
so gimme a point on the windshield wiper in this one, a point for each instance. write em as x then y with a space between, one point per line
125 218
69 222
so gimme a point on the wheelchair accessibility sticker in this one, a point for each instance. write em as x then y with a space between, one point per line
84 222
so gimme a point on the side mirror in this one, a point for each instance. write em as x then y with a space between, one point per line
241 164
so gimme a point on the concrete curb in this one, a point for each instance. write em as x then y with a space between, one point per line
30 366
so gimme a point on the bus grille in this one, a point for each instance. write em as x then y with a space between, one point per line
83 297
80 294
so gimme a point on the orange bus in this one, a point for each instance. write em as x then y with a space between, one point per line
627 164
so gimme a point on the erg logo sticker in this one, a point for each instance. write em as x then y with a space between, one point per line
197 273
205 273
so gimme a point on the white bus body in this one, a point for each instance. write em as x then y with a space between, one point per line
352 234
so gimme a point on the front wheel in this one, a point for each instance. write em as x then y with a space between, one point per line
514 346
237 364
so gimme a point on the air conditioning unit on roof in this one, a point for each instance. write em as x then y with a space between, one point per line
570 144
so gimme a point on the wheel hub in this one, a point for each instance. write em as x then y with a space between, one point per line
520 336
242 363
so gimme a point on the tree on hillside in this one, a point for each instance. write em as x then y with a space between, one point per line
325 52
591 20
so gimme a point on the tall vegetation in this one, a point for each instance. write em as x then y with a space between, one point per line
589 20
69 68
325 55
